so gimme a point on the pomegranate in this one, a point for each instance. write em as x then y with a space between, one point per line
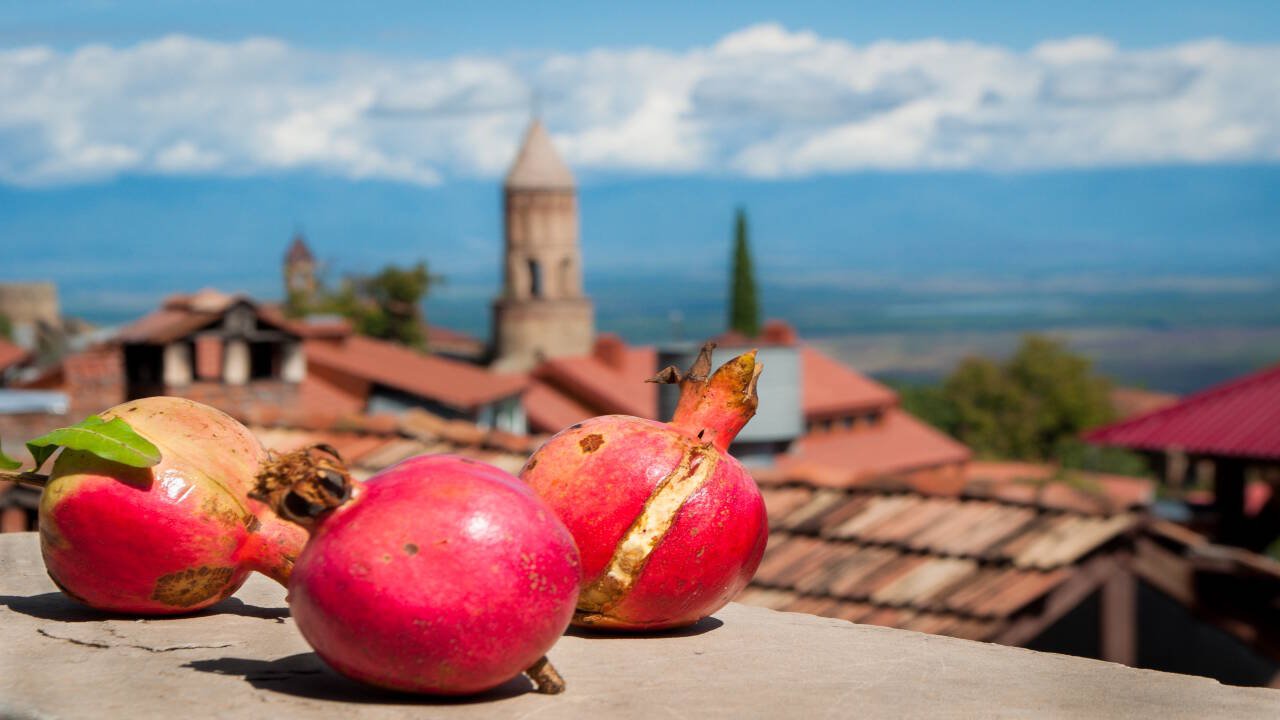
172 538
670 526
438 575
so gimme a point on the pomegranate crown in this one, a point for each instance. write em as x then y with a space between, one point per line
715 406
302 485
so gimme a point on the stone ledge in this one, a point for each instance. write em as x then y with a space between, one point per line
59 660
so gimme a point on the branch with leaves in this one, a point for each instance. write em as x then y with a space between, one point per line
111 440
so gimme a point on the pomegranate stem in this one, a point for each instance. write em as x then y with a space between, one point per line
715 406
546 679
34 479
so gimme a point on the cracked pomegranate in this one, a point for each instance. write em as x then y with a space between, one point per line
438 575
171 538
670 526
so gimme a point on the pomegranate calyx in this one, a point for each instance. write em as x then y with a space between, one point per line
715 406
302 485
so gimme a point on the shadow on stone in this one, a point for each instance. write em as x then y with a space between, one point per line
305 675
705 625
56 606
53 606
236 606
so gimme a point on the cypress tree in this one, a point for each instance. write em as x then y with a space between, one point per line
744 307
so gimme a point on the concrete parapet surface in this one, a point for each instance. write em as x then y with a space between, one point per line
244 659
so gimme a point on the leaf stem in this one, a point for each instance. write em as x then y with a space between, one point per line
34 479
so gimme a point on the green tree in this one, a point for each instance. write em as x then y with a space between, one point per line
1066 396
990 413
1032 407
6 327
744 306
386 305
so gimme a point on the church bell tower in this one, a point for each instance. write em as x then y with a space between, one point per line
542 312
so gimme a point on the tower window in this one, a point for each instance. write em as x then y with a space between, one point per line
535 279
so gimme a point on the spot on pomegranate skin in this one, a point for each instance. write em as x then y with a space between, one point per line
591 443
192 586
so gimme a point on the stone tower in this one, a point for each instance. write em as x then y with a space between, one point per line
542 312
299 270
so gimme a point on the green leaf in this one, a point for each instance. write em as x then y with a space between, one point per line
110 440
8 463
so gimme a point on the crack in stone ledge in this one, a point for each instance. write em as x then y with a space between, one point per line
148 648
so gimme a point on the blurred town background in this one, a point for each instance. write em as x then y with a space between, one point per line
1015 280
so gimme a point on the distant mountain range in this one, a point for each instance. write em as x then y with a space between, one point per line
1164 247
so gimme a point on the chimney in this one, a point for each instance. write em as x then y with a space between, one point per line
778 332
610 350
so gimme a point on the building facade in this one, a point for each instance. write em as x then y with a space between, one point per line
542 312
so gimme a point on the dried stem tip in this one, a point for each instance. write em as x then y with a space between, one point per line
715 406
546 679
302 485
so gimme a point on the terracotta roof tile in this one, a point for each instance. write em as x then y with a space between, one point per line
601 387
949 564
164 325
449 382
550 410
833 388
898 444
11 354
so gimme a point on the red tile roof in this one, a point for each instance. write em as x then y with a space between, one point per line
165 325
600 387
182 315
11 355
899 443
450 382
1239 418
298 251
1055 487
945 565
550 410
370 443
834 389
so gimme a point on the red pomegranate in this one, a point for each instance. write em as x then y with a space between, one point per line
172 538
670 526
438 575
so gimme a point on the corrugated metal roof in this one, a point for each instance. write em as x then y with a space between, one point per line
1239 418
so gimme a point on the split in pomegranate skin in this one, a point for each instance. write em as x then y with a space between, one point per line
670 526
168 539
438 575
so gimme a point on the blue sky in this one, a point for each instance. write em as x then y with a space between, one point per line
871 140
447 28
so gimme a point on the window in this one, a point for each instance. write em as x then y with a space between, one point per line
535 279
262 360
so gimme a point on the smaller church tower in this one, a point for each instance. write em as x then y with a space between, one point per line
542 312
299 271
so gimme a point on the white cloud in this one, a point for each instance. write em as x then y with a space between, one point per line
763 101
